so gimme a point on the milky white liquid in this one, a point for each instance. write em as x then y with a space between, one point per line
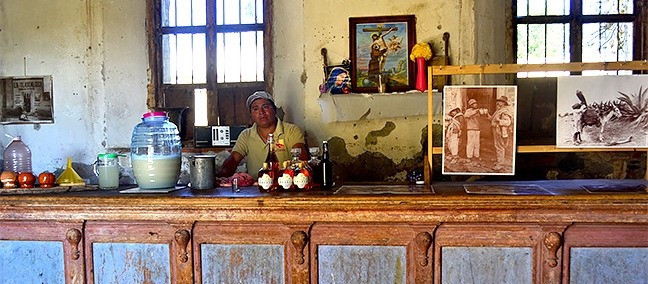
156 172
108 177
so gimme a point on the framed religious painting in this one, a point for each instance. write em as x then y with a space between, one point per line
379 53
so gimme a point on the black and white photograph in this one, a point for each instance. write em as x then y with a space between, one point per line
479 130
602 111
26 100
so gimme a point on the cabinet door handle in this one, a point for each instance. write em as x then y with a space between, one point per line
182 239
73 237
423 242
553 241
299 240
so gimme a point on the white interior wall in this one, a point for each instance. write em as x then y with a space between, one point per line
96 52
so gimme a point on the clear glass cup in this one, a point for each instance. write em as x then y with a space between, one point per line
107 169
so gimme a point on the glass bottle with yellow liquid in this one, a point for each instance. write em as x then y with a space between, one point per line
270 169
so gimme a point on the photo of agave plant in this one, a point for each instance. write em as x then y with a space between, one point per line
602 111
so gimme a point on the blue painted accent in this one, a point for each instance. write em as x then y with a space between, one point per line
486 265
242 263
608 265
31 262
131 263
361 264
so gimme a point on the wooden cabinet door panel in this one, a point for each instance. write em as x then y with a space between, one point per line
254 252
486 265
138 252
117 262
497 253
371 253
41 252
31 262
242 263
361 264
606 254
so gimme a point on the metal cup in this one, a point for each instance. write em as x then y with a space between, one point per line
201 169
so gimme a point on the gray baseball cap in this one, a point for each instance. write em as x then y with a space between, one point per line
259 95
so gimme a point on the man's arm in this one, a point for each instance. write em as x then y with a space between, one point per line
230 164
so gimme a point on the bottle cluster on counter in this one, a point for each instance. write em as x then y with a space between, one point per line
18 168
294 174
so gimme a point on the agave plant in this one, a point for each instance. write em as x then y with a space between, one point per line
637 104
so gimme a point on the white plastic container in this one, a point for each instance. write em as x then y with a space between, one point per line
17 156
156 152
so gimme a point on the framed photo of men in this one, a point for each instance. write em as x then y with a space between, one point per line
479 130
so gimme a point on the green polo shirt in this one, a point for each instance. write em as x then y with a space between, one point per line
254 149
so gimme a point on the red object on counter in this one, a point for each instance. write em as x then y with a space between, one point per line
26 179
8 179
46 179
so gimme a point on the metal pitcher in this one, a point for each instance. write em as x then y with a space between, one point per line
201 169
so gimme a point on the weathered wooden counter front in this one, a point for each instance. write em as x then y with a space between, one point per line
217 236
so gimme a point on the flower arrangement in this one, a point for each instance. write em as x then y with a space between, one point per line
421 50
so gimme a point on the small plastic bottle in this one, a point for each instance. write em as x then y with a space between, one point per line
17 157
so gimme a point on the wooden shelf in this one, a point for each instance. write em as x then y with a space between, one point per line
515 68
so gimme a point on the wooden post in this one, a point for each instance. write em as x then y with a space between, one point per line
427 167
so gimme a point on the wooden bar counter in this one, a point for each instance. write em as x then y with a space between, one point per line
578 231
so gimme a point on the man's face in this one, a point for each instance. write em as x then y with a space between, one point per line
262 112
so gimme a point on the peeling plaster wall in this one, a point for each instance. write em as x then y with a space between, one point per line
397 140
96 53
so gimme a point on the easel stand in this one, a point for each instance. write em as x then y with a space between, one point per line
515 68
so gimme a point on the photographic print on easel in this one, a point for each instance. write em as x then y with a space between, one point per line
602 111
379 48
479 133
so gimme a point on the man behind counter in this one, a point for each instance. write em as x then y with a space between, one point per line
251 143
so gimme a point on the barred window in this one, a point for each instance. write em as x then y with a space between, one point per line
560 31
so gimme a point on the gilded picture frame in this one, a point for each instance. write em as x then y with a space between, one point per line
379 53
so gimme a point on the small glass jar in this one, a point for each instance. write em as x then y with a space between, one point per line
107 169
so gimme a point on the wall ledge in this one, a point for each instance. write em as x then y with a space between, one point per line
362 106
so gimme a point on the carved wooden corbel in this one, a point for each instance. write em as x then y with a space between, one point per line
299 240
182 239
73 237
423 242
553 242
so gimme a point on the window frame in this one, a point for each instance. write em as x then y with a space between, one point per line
158 97
576 20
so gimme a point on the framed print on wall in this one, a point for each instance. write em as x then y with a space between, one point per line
25 100
379 51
